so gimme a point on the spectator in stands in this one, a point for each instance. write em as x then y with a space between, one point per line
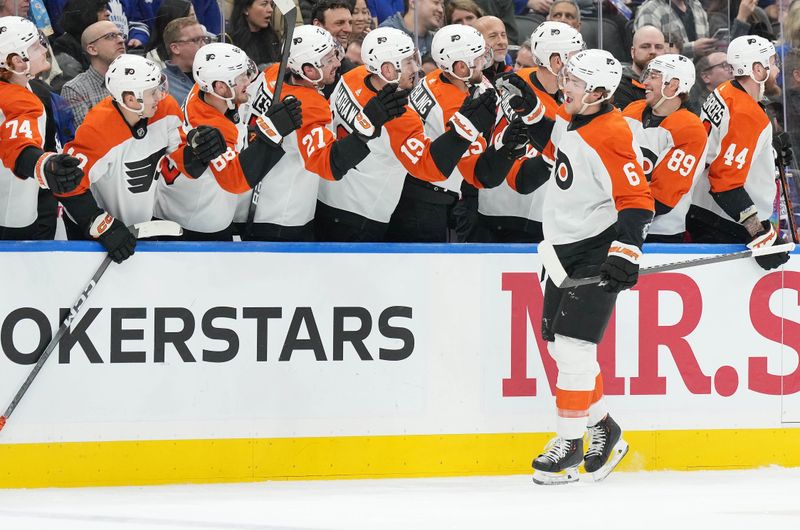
168 11
103 42
428 64
429 14
566 11
362 18
383 9
353 52
133 18
674 42
504 10
182 37
18 8
209 14
251 30
462 12
712 70
740 17
524 56
76 16
686 17
648 43
494 33
336 16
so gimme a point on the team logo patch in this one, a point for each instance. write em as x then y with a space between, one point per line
129 71
649 162
140 174
210 57
563 171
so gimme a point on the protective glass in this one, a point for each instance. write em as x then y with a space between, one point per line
568 81
333 58
157 93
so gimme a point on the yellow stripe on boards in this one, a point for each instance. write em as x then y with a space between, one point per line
248 460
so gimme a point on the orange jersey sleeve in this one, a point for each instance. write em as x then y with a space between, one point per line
612 140
315 140
672 178
21 112
226 168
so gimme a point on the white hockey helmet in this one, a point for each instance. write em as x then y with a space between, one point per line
458 42
552 37
744 51
387 45
135 74
225 63
596 68
673 66
312 45
17 35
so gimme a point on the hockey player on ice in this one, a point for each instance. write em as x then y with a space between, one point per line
673 142
733 201
597 210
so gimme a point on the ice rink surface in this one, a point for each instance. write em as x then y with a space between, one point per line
749 499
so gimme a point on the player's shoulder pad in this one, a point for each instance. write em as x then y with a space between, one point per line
16 100
635 109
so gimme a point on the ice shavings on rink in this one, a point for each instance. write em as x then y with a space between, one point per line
746 499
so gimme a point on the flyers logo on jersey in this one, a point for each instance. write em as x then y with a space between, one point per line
141 173
563 171
422 101
649 162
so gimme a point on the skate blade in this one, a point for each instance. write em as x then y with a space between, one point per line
619 452
545 478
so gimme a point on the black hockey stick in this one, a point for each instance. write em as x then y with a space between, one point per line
561 279
289 11
787 200
140 231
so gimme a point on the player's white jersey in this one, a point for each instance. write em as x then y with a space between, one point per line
739 150
436 100
121 163
205 204
22 124
596 172
674 150
289 192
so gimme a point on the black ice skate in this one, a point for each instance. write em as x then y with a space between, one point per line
559 462
606 448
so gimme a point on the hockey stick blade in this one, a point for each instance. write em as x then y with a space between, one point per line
284 6
158 228
561 279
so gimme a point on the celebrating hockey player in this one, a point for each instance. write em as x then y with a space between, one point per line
734 201
596 214
673 142
358 207
289 196
504 215
460 52
120 144
202 183
24 165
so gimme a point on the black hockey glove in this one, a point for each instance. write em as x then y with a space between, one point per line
524 100
206 143
58 172
620 271
768 237
480 111
782 145
286 115
514 141
388 104
114 236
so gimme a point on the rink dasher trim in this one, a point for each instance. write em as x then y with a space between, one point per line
342 248
152 462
